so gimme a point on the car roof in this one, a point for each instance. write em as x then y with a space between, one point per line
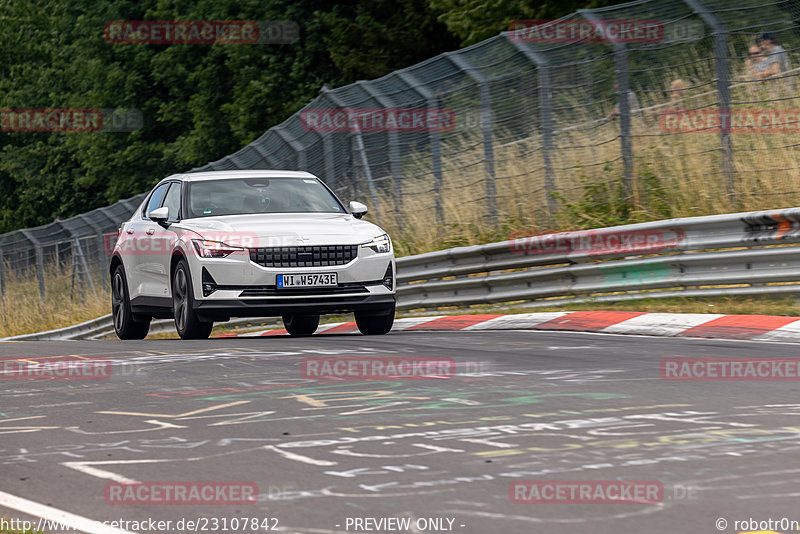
226 175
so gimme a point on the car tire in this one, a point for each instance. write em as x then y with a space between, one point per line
375 323
127 325
187 323
301 325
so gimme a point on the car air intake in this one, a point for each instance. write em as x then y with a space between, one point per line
311 256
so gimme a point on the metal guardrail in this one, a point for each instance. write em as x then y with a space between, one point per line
697 256
732 254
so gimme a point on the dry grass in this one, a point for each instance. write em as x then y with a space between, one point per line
674 174
22 310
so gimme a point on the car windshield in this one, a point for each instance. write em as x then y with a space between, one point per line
212 198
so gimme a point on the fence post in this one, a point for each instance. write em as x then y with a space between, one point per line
330 167
290 140
432 102
2 275
39 261
362 152
264 155
101 254
546 118
719 33
623 101
394 150
486 127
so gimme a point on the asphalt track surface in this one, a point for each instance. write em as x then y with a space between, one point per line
522 405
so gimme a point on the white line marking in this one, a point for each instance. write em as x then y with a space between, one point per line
84 467
76 522
299 457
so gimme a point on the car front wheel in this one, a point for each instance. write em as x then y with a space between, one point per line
375 323
126 324
187 323
301 325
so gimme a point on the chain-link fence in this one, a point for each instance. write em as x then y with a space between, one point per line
65 257
537 130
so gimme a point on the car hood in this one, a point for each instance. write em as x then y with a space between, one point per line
284 229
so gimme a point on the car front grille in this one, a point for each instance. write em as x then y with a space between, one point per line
311 256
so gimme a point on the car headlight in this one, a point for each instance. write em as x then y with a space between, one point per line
380 244
213 249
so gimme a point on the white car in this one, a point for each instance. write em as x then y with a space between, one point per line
209 246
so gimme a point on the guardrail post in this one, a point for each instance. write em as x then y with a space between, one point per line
720 35
486 128
39 261
432 102
546 118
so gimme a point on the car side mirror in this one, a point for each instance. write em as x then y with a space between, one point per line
357 209
160 215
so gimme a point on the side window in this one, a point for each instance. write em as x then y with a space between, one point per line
173 201
156 198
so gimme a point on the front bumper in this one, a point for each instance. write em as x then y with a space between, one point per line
222 310
235 286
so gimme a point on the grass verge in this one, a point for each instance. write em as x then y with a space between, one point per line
22 310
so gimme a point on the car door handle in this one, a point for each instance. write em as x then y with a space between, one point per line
150 231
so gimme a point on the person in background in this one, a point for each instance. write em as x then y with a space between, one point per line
677 90
776 58
755 62
633 104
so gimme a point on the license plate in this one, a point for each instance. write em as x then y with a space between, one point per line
307 280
